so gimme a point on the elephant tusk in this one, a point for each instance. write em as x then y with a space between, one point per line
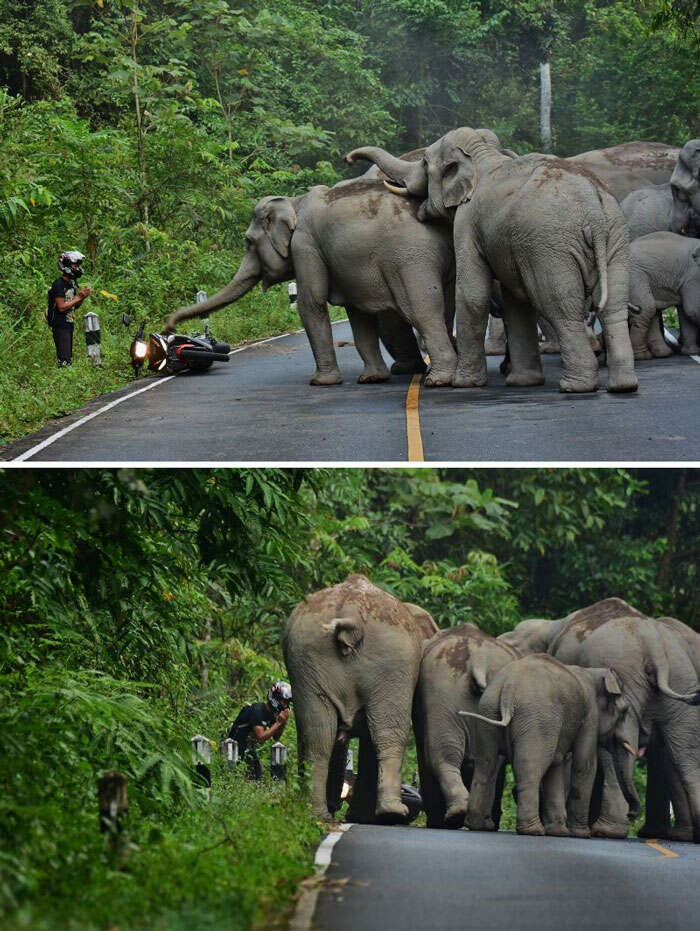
401 191
629 748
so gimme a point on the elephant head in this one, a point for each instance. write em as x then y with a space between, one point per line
685 179
267 258
445 177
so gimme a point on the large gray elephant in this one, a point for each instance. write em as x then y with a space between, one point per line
536 712
664 272
625 168
547 230
352 246
686 174
661 685
353 653
456 667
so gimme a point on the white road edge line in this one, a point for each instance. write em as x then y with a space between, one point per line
161 381
306 906
670 338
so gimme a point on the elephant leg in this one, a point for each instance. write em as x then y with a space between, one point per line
317 721
551 340
554 801
521 324
497 807
687 767
657 820
584 762
336 772
496 337
529 768
483 788
312 282
689 325
642 320
388 728
473 303
682 820
364 795
616 334
433 802
449 758
422 302
612 820
365 332
655 338
400 340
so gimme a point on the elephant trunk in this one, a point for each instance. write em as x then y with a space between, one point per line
247 276
410 174
624 770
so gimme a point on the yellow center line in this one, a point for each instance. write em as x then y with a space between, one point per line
415 442
664 851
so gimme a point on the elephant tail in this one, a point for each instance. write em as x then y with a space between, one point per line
658 672
507 709
347 633
504 722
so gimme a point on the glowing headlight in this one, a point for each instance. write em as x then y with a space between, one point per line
140 350
346 791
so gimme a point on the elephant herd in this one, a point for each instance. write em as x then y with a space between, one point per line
447 234
571 704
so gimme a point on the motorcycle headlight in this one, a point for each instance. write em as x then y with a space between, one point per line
139 349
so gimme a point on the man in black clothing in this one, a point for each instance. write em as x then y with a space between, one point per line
261 721
64 296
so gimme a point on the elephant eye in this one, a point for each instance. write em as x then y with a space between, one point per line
451 170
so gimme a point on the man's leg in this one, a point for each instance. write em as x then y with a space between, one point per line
63 340
254 767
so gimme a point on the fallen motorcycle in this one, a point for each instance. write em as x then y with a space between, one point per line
175 354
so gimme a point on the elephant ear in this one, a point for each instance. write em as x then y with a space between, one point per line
683 178
612 684
280 223
459 182
347 633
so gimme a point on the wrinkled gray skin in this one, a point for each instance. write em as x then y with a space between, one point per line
658 208
352 246
456 667
663 784
550 233
540 711
353 653
664 272
661 686
686 174
630 166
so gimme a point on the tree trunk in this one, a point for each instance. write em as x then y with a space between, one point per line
546 106
664 572
140 132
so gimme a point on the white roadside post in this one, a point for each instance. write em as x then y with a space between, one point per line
229 751
201 755
199 298
278 761
292 292
92 337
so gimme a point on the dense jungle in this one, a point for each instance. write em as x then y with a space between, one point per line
141 132
141 607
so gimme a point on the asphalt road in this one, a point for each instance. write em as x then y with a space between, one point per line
259 407
414 879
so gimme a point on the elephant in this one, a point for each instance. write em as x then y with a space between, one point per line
686 174
353 653
538 712
661 686
658 208
664 272
352 245
547 230
456 667
663 784
627 167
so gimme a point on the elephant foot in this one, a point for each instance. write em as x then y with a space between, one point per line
524 378
409 366
642 354
392 811
549 348
324 379
437 379
648 830
479 824
374 376
690 350
681 832
579 830
569 385
622 383
455 815
494 348
556 829
534 828
465 380
323 814
661 352
609 829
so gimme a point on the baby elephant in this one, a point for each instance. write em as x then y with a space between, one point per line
664 272
544 713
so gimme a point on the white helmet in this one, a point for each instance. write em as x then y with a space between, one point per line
280 696
67 261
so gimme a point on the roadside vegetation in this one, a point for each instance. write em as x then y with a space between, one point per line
141 132
141 607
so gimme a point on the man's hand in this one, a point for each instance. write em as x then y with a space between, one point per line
84 292
283 716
